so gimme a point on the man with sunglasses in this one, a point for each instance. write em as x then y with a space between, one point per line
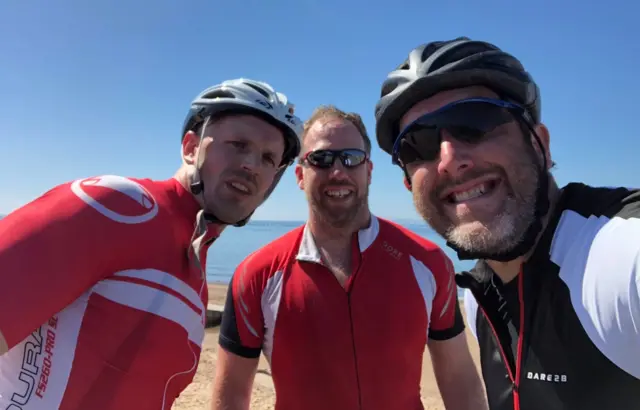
343 306
554 299
103 292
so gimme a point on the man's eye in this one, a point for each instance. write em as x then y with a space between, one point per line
238 144
269 160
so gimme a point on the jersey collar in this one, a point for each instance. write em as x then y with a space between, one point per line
308 251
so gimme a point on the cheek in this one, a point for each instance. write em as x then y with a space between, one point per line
310 181
266 177
420 176
213 166
503 150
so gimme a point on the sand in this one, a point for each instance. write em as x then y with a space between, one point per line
198 394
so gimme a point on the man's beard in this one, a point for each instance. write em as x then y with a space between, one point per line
505 229
334 215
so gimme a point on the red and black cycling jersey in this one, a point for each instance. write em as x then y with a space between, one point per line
334 347
565 334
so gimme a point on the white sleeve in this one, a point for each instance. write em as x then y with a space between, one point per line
470 311
599 259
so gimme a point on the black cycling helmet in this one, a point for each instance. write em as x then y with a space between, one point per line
462 62
442 65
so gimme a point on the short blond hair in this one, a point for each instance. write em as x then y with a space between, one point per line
325 111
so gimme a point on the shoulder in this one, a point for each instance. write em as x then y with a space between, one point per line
120 199
596 227
606 202
93 202
394 231
431 267
418 248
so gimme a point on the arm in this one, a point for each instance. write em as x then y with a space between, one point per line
233 381
240 341
51 251
456 374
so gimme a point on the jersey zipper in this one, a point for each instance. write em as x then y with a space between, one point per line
356 253
515 379
355 354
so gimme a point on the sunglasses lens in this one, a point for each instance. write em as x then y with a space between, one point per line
353 157
325 158
419 144
469 122
321 159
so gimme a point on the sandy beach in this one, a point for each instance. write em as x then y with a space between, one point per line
198 394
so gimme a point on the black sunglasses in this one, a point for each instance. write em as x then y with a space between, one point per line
325 158
470 121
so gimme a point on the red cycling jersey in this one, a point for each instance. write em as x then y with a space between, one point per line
329 347
102 307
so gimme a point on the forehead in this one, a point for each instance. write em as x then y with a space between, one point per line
441 99
247 127
334 133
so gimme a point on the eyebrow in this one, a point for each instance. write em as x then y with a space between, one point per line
245 139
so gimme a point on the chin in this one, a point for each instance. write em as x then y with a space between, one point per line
496 236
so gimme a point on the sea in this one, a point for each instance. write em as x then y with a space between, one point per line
235 244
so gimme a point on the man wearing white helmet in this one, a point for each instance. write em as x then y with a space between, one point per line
103 290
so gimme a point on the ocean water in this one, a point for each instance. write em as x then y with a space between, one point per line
235 244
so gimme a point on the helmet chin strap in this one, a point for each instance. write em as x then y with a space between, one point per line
197 188
528 240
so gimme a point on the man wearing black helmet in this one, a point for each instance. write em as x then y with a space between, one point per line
103 291
554 299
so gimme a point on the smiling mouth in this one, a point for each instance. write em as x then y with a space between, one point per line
476 191
338 193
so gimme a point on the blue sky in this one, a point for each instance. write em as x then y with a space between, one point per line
89 88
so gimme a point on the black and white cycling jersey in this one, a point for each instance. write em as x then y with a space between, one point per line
565 334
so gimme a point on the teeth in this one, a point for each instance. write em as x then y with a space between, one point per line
240 187
470 194
338 193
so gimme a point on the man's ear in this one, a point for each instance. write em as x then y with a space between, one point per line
299 179
190 144
407 183
543 133
369 171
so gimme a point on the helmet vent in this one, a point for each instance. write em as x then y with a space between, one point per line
219 94
258 89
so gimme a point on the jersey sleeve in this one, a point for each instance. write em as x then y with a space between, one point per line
611 283
52 250
242 328
446 319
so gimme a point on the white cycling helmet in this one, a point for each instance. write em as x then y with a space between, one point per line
252 97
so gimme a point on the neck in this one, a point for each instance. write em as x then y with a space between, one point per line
185 178
325 234
507 271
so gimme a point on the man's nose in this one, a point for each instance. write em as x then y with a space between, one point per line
251 162
338 170
455 156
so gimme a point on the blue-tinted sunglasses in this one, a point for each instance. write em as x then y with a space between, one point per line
470 120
